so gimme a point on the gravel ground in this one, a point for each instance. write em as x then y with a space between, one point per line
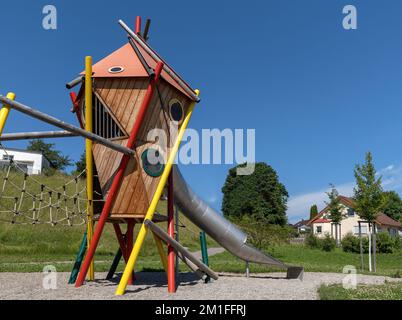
152 285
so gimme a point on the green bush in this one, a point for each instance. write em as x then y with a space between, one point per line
328 244
262 234
312 241
385 243
351 243
397 243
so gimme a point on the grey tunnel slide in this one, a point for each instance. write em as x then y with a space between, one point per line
221 230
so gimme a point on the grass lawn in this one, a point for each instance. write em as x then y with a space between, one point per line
312 260
27 248
388 291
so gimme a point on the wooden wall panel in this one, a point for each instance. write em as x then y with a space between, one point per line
123 97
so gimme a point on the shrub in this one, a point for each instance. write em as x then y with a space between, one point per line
350 243
328 243
385 243
397 243
262 234
312 241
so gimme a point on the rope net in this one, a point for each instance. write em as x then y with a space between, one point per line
25 200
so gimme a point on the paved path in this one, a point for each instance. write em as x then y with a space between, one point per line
153 286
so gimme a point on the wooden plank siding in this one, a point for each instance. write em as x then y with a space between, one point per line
123 97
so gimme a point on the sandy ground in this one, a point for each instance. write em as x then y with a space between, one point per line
152 285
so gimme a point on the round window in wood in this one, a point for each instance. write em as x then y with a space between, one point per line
151 162
116 69
176 110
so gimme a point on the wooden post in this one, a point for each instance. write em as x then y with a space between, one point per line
361 246
374 247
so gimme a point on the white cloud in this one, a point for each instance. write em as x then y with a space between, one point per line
299 205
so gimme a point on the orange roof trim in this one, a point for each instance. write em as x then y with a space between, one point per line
130 65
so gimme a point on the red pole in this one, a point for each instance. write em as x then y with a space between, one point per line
120 239
119 177
138 25
124 243
171 255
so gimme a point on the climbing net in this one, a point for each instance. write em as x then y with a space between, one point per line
25 200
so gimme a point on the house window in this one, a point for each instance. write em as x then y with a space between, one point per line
318 229
103 123
351 213
8 157
356 229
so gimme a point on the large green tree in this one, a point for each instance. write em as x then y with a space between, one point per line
57 160
260 195
313 211
393 205
369 197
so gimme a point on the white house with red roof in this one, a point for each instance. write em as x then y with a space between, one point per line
322 224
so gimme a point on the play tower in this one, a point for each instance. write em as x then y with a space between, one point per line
133 109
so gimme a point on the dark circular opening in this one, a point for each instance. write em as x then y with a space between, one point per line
176 111
116 69
152 162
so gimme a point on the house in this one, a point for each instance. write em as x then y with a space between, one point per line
302 226
322 224
31 162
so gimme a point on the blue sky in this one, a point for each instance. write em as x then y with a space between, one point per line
318 96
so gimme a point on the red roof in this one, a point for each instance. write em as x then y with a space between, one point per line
322 220
131 64
383 219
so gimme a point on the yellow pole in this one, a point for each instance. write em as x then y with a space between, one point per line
88 158
5 110
161 252
152 207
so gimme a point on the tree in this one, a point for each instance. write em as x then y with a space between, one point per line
335 210
80 165
57 160
259 195
369 198
313 211
393 205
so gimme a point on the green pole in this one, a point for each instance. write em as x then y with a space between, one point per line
204 251
78 260
114 265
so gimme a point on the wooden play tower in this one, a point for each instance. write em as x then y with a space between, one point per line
134 94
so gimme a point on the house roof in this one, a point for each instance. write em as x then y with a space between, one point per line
322 220
301 223
382 218
132 66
